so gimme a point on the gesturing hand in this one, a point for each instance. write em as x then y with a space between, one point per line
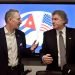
34 46
47 59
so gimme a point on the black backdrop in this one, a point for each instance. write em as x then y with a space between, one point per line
37 1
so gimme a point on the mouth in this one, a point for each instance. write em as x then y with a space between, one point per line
19 24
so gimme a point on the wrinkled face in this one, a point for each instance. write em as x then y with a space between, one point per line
15 20
58 22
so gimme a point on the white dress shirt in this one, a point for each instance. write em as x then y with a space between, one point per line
12 48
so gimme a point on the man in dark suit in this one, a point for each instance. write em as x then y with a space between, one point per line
13 45
50 52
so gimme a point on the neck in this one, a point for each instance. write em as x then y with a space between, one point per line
60 28
9 28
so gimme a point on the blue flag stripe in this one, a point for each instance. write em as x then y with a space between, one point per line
47 19
28 31
25 17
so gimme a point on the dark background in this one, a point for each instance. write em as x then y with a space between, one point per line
40 1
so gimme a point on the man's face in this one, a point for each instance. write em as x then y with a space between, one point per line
57 21
16 20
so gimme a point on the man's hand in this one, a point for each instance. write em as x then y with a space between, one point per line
34 46
47 59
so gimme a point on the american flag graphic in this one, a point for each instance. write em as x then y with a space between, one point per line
46 23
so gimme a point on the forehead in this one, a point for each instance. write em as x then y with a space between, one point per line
16 15
56 16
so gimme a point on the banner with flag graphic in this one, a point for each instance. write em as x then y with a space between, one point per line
36 19
33 24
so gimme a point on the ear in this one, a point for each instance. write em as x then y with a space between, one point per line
9 19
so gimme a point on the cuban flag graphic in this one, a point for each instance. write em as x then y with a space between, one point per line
34 24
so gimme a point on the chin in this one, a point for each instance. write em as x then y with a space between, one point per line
54 28
16 27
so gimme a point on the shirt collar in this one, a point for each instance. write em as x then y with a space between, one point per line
7 32
63 30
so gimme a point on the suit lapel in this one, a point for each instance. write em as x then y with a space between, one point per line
4 44
19 42
55 36
55 41
68 42
55 44
17 38
55 48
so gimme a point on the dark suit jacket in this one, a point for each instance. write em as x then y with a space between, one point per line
22 51
50 46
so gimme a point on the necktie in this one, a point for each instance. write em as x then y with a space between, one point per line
62 50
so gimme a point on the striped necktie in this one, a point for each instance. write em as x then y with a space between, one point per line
62 50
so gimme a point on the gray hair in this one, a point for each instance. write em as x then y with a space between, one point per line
62 14
10 13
